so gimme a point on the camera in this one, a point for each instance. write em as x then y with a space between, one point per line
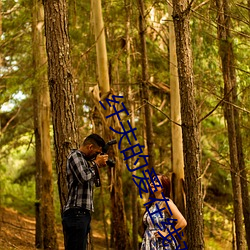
110 162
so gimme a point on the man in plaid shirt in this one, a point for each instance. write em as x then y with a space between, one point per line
82 170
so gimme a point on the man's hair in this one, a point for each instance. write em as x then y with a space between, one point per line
94 139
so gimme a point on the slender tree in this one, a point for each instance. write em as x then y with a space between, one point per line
243 179
131 100
231 115
101 51
61 87
46 237
102 68
1 31
248 4
117 203
181 16
176 132
144 85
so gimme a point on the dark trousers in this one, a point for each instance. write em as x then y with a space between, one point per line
76 226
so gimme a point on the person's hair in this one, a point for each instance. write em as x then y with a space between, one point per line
166 184
165 181
94 139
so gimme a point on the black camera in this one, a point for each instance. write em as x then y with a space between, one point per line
110 162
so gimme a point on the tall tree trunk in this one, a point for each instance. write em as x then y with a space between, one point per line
1 32
230 93
46 237
118 213
248 3
61 88
1 62
192 169
176 132
243 179
131 100
104 219
117 203
101 51
145 88
102 63
134 189
37 68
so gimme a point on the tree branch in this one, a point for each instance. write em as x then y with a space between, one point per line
14 8
10 120
161 112
200 5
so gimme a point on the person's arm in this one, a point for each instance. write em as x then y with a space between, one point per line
79 166
176 214
181 221
96 179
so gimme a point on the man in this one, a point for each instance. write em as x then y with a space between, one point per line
82 170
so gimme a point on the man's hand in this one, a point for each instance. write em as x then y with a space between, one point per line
101 160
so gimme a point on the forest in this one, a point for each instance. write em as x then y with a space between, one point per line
169 77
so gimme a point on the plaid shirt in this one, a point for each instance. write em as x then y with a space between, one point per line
80 179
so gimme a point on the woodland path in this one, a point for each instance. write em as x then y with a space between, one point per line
18 232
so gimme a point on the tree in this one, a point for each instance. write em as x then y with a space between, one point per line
117 204
176 133
131 100
1 30
101 51
243 178
102 72
181 16
61 87
144 85
231 115
45 227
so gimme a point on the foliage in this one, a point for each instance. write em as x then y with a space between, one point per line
17 190
16 142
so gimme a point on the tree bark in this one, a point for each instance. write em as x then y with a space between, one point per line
243 178
176 132
101 51
61 87
248 4
46 237
231 116
131 100
191 146
1 32
144 87
117 203
104 219
1 62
